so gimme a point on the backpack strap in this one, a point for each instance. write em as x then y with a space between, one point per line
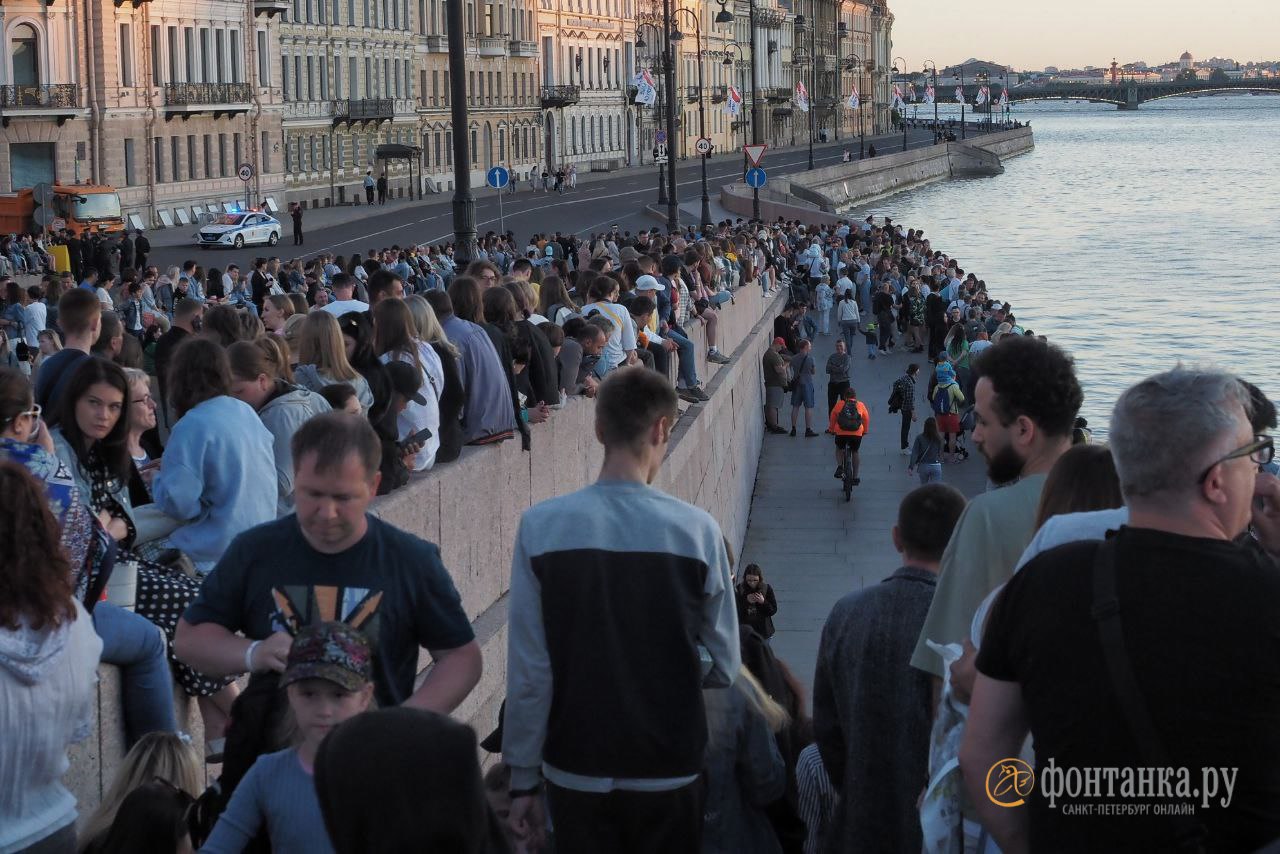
1189 833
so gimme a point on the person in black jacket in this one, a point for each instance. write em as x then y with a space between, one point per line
127 251
756 602
141 249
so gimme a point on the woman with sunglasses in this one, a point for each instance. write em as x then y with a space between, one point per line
48 670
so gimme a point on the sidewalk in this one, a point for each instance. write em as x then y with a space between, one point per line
317 219
813 547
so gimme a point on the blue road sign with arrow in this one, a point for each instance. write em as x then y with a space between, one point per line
755 177
497 177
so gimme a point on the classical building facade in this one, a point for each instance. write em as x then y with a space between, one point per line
162 100
586 48
503 93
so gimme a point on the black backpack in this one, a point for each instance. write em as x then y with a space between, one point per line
849 418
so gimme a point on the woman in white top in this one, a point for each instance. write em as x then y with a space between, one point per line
396 339
620 348
848 317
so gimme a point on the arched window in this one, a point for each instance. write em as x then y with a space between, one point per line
24 48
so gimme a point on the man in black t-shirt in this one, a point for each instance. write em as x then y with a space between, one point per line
1199 613
329 560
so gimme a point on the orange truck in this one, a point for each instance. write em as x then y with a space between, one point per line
79 208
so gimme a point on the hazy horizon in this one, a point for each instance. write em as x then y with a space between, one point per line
1031 36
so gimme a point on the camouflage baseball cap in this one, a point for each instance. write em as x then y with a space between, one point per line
331 651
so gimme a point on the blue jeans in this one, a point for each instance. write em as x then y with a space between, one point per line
688 367
137 646
929 473
719 298
848 331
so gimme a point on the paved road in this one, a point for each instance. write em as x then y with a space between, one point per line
815 548
598 202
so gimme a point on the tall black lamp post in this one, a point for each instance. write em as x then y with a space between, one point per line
929 64
464 204
658 113
983 79
800 26
856 62
842 32
676 36
902 110
669 83
724 16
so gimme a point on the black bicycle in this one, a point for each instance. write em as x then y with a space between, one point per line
847 456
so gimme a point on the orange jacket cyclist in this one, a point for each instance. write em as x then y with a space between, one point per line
849 422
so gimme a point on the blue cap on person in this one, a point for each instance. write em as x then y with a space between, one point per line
331 651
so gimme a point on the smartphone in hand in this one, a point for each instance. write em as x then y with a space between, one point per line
416 439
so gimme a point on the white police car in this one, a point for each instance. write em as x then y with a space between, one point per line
239 229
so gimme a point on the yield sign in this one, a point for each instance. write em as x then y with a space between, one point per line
754 153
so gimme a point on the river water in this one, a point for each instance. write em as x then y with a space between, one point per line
1133 239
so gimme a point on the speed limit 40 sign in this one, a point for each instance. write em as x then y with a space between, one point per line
703 145
245 172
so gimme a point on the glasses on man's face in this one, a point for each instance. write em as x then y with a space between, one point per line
488 275
1261 451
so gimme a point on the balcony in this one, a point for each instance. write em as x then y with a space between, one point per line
781 112
523 49
52 100
777 94
187 99
719 94
437 44
270 8
693 94
363 110
770 19
560 96
492 46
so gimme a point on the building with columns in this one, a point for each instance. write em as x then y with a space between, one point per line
162 100
503 93
586 48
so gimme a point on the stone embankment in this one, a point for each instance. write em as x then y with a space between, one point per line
822 194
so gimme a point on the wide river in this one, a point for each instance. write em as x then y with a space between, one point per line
1134 239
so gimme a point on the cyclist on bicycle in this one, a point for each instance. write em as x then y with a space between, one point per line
850 422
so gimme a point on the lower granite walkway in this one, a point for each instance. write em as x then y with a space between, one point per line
813 547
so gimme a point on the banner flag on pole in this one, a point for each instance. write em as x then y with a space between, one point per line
801 98
646 92
854 100
928 94
733 103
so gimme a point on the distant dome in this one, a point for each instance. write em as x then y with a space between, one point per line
1186 57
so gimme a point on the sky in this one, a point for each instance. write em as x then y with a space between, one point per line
1032 34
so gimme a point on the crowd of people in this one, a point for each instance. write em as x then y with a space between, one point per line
645 709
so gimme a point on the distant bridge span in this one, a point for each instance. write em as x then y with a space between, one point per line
1128 96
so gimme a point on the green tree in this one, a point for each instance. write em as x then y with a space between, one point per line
1186 75
1218 76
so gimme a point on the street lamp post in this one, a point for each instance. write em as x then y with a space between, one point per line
729 63
669 75
812 25
676 36
662 169
724 16
842 31
902 111
856 62
983 79
464 204
930 64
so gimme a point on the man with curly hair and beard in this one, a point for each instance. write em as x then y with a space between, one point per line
1026 400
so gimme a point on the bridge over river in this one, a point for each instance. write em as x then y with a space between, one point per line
1127 96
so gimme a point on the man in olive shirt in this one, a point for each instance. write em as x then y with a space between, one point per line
775 384
1026 400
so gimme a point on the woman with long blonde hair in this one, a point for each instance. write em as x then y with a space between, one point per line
158 755
322 358
396 338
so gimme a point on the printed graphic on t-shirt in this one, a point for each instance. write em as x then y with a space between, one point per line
301 605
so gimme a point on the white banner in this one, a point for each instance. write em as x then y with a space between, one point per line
854 100
733 103
897 97
928 94
801 98
646 92
984 95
